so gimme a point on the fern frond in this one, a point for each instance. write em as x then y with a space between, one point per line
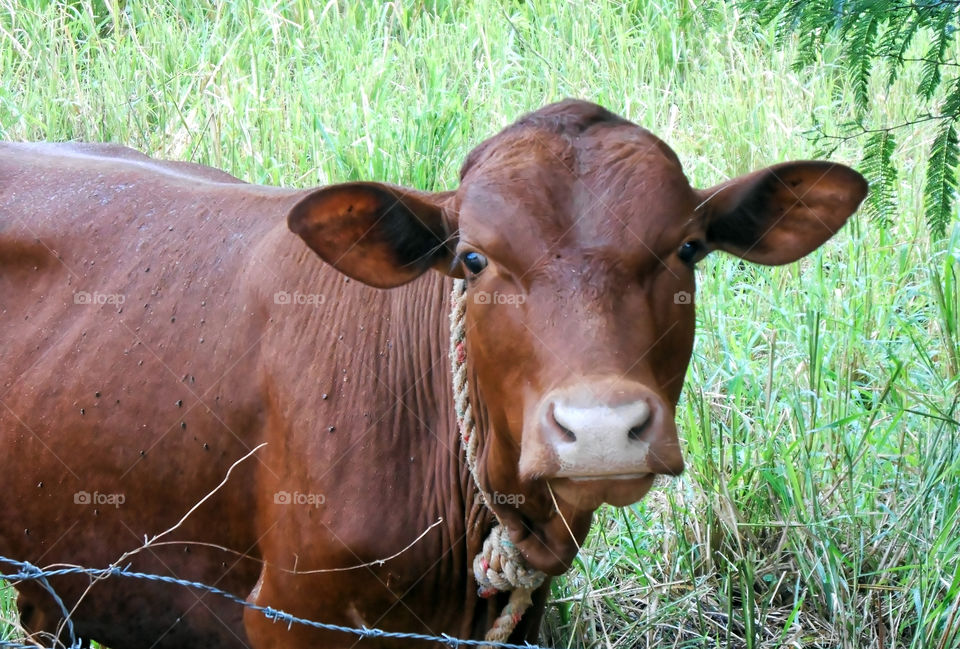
817 20
933 59
863 43
951 105
940 191
901 29
877 165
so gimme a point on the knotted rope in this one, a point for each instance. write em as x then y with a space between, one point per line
499 566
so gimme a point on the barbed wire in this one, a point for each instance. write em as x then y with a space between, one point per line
26 571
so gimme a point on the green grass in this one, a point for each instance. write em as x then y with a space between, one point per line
820 504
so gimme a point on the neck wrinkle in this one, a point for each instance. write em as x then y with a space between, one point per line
425 305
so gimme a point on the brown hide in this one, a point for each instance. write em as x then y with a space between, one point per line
160 320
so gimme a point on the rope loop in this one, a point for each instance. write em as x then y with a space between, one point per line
500 567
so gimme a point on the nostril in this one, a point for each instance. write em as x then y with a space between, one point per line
636 433
642 424
567 433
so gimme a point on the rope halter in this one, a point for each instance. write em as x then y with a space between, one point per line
499 567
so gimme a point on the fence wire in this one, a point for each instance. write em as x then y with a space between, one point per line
26 571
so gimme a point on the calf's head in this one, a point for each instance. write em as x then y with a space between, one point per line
577 233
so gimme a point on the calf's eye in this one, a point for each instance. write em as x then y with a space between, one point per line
691 251
474 262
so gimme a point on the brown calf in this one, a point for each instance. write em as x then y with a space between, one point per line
159 320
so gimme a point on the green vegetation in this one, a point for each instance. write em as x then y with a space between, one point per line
820 504
879 37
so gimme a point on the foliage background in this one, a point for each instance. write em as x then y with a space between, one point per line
883 38
820 504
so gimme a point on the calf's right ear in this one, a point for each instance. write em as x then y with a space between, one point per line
781 213
378 234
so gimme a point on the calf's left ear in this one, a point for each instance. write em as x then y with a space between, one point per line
781 213
378 234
